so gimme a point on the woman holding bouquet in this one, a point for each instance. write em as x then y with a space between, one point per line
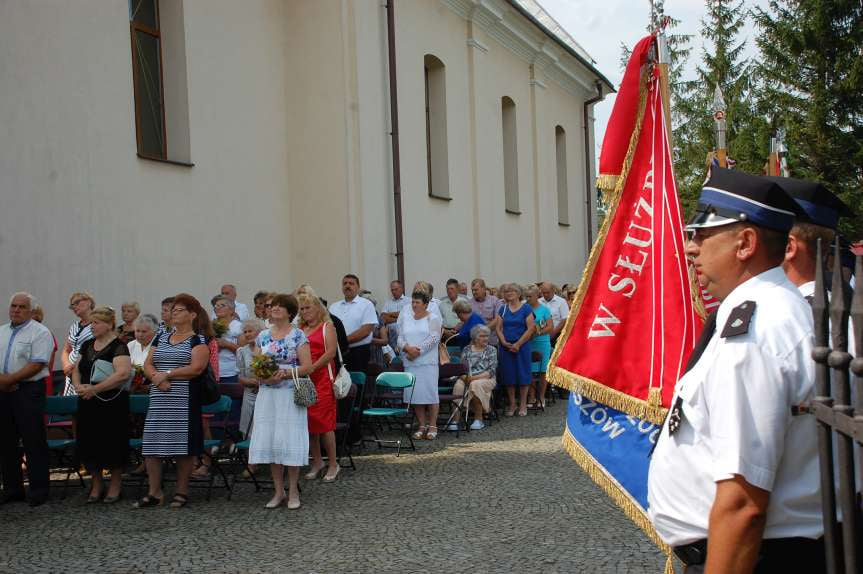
280 435
316 324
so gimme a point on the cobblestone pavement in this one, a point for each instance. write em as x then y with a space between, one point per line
504 499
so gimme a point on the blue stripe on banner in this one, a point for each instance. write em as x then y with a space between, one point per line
618 442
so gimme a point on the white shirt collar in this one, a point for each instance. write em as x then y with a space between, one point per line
775 277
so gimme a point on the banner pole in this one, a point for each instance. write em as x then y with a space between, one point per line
664 60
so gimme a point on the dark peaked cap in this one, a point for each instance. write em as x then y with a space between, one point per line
819 205
733 196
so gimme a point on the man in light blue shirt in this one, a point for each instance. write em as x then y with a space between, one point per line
25 350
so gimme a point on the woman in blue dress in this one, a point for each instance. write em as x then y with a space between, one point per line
514 332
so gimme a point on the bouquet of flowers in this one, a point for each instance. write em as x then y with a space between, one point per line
264 366
220 327
138 377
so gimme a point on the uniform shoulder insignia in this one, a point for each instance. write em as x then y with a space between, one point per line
738 320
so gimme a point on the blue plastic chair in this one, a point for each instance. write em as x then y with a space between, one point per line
63 448
402 416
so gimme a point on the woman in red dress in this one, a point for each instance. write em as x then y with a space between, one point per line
316 324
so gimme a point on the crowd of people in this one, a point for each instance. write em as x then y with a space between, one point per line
504 336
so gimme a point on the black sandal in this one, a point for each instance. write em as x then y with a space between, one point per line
147 502
180 500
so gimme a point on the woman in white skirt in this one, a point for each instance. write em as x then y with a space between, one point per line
419 335
280 434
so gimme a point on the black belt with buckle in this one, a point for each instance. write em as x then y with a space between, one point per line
692 554
787 551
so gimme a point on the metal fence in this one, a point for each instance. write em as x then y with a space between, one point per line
840 417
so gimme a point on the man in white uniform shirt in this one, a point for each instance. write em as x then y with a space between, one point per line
391 309
359 318
240 309
733 484
25 350
558 307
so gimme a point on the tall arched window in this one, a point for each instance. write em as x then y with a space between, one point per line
436 142
510 155
562 190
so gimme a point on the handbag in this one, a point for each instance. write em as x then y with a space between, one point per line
341 382
100 371
209 386
305 394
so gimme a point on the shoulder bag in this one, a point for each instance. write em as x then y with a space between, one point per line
103 369
342 381
209 386
305 394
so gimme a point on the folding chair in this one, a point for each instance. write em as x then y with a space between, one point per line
402 416
60 422
63 448
220 411
346 412
138 407
447 376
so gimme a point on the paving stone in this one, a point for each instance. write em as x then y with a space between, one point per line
506 498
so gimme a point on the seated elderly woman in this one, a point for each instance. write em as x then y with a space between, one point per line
468 320
480 360
145 331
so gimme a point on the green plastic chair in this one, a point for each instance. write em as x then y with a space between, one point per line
63 448
221 409
403 416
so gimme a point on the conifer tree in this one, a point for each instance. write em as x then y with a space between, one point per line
811 76
722 63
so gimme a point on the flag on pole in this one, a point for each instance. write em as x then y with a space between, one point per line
636 314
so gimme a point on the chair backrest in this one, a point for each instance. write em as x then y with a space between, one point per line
358 378
139 404
58 382
60 405
223 405
396 380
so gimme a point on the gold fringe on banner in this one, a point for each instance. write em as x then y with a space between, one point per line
649 410
616 492
607 181
577 383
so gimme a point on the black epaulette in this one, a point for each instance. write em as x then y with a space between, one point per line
738 320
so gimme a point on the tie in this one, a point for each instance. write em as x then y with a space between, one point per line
701 343
675 413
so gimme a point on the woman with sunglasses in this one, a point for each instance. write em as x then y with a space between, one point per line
80 332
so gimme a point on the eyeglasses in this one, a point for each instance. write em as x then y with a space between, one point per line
75 303
220 306
177 309
268 305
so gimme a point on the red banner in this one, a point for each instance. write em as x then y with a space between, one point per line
634 320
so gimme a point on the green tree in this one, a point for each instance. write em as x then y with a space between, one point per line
722 63
811 82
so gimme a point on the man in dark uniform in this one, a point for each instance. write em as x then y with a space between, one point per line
734 483
820 213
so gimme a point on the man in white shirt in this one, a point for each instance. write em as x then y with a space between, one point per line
359 318
25 350
434 303
240 309
558 307
451 322
392 308
734 483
